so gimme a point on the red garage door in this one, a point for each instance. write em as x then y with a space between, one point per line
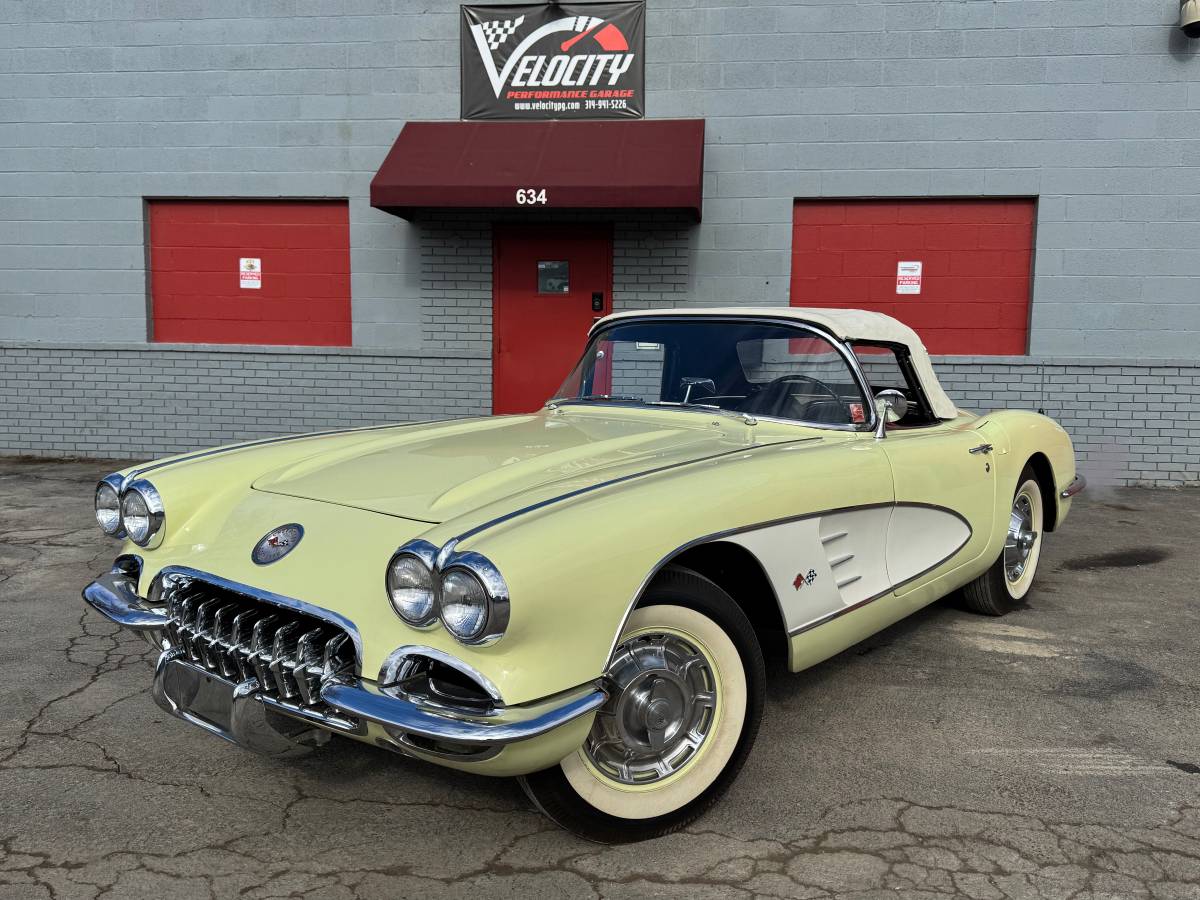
964 282
250 272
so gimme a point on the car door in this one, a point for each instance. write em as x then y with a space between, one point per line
945 486
943 477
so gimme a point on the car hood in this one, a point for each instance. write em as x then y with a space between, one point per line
434 473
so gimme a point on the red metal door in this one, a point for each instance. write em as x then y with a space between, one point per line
547 283
296 285
967 265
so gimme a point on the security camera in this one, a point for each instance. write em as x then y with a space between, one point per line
1189 18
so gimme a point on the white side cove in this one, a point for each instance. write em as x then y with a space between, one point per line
825 565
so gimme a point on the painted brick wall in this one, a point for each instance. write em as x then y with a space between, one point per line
58 400
1130 423
1092 106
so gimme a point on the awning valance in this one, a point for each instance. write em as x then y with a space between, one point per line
645 164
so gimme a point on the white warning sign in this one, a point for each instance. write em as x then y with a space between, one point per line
250 272
908 277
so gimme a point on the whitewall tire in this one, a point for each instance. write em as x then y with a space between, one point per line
1003 587
686 683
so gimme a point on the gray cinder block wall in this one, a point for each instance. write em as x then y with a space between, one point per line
1093 107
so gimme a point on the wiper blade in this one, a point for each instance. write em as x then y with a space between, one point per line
597 398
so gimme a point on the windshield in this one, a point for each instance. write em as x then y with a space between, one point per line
760 369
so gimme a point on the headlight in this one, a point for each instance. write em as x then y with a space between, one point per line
464 605
410 588
141 512
474 599
108 507
463 590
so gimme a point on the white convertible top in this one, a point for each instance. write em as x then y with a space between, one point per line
847 324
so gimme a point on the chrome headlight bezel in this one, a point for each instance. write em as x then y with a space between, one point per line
426 561
495 621
111 484
442 562
155 513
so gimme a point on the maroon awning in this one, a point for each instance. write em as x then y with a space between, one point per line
645 164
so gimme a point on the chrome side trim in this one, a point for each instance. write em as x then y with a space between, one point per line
1075 487
533 507
719 535
506 725
142 470
275 599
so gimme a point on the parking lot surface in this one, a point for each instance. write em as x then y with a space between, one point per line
1054 753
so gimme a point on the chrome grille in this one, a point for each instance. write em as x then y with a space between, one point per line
240 638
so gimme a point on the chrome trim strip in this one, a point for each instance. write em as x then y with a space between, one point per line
317 612
533 507
115 597
150 467
720 535
503 726
1075 487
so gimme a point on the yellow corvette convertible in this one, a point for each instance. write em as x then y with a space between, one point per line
584 597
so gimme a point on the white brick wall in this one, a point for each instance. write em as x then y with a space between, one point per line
1130 423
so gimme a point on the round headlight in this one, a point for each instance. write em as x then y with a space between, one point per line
141 512
464 605
135 514
410 588
108 508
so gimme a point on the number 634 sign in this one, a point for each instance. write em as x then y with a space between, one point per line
531 196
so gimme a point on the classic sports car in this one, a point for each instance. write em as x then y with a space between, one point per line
584 597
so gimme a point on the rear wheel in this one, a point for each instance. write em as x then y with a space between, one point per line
686 684
1001 588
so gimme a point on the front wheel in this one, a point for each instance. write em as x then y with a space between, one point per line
1002 587
686 688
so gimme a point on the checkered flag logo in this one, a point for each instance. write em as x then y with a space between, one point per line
496 33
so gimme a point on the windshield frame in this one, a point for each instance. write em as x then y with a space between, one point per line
809 328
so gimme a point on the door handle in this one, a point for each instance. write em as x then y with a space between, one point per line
982 448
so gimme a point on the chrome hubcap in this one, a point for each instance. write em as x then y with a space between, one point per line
1020 540
662 699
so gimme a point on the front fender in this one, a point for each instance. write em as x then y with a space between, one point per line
576 569
1029 434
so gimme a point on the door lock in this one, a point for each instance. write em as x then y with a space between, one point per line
597 301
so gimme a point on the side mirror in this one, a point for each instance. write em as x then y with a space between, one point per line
691 383
890 406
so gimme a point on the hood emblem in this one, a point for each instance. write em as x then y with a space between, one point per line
276 544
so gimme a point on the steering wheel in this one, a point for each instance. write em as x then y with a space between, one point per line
772 392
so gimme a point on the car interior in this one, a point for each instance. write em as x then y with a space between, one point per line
762 369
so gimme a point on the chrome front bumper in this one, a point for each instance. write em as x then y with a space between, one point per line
240 712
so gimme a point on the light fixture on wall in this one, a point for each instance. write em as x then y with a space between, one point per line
1189 18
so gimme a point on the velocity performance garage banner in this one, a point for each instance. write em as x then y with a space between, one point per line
554 61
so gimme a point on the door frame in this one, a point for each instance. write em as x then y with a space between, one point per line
501 230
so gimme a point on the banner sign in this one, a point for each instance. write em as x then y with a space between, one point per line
554 61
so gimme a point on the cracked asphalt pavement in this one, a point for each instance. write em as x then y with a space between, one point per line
1054 753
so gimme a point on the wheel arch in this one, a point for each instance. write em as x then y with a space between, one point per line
1043 471
737 571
